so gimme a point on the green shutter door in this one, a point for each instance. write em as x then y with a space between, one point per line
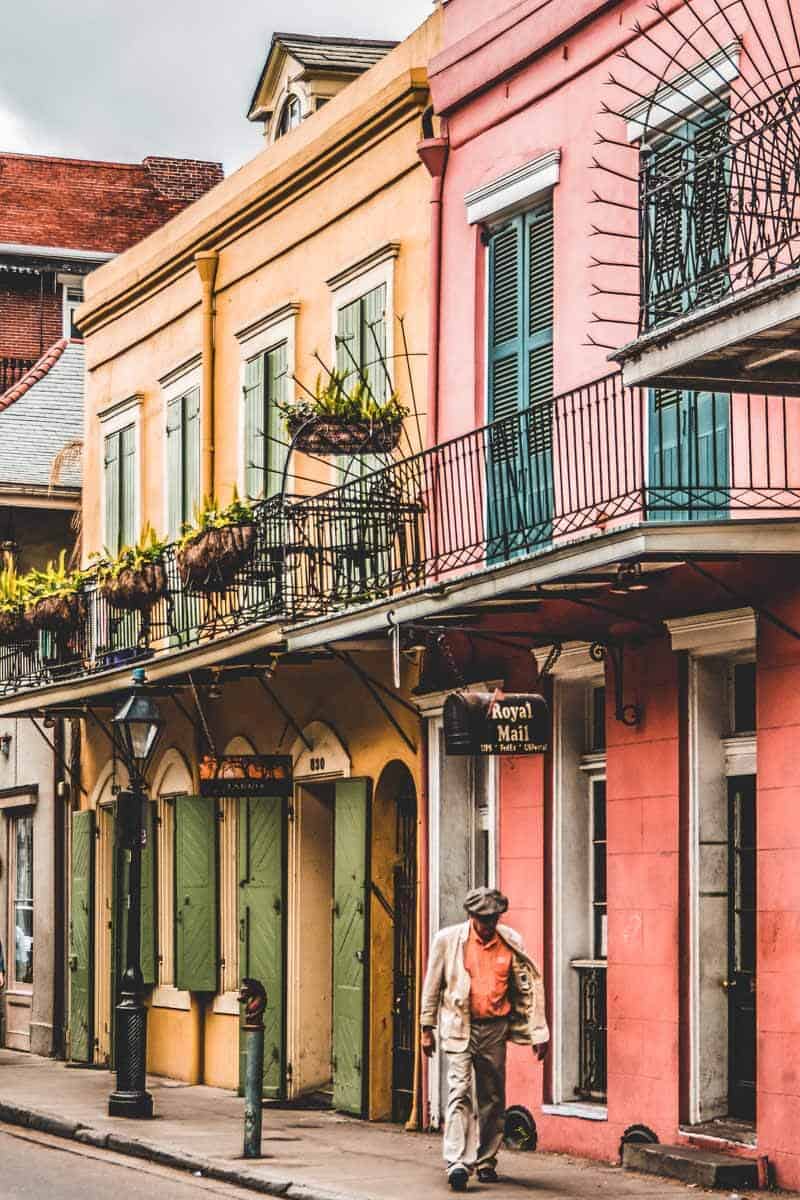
127 480
111 486
539 368
254 465
195 894
505 464
191 458
148 898
261 924
276 436
80 937
349 351
373 340
175 516
350 967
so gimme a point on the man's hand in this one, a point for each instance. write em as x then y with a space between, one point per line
428 1042
541 1051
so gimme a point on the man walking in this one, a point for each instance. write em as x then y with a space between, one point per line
484 991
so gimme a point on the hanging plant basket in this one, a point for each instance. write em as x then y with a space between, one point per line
211 561
341 435
15 626
60 615
136 589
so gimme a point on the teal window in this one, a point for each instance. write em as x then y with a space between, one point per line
265 438
119 474
183 459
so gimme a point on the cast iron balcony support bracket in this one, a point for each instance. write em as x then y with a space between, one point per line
627 714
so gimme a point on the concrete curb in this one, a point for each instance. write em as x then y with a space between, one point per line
44 1122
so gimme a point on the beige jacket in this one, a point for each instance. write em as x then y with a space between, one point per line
445 992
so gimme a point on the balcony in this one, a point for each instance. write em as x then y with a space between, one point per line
12 370
515 496
719 238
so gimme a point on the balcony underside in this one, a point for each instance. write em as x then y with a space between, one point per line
516 587
749 342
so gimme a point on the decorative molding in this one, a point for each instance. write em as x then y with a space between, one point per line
593 764
355 270
130 406
574 661
741 755
714 633
516 190
432 703
683 94
263 326
185 368
25 797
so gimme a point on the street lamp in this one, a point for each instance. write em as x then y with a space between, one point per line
137 728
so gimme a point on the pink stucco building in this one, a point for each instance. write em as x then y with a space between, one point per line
614 349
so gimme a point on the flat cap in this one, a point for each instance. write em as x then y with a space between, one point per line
485 902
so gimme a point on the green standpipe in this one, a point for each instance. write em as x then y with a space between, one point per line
254 998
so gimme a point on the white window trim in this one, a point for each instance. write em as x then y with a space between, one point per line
66 282
114 418
717 633
515 191
261 335
356 281
165 995
683 94
175 383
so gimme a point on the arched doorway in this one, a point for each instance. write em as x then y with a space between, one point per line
394 859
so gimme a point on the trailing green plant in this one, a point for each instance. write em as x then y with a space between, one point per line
334 398
212 515
148 550
56 580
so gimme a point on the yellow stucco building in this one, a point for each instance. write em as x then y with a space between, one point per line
314 254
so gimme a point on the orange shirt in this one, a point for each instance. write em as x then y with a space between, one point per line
489 965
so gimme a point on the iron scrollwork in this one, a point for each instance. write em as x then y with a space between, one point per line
628 714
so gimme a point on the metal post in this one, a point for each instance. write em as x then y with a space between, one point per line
130 1097
254 997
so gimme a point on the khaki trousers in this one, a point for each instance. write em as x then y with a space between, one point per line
476 1077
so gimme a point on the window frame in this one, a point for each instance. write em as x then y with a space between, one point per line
258 338
357 281
19 813
114 419
68 307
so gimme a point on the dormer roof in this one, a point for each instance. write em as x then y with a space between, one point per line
338 57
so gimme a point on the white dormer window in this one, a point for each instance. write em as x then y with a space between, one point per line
290 117
71 300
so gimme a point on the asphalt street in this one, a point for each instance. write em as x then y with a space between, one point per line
35 1166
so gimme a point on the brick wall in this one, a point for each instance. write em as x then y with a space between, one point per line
29 321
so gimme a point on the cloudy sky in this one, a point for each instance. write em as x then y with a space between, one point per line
115 79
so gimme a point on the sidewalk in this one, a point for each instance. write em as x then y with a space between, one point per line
307 1155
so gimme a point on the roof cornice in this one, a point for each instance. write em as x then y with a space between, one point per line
314 162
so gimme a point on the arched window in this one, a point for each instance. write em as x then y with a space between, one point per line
290 116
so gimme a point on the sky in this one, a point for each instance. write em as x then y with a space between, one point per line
121 79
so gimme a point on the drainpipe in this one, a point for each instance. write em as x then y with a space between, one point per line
207 262
434 151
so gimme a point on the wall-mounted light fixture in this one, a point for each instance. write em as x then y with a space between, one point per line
5 744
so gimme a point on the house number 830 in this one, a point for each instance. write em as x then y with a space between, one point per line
317 764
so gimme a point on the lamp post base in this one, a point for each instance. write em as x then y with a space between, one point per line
130 1104
130 1097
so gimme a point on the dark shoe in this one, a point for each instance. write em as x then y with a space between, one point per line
458 1179
487 1175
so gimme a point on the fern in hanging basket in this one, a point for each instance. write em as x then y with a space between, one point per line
135 579
217 546
15 624
55 599
338 420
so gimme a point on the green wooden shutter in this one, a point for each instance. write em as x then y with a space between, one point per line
505 465
254 463
111 470
349 350
175 517
261 924
81 1031
191 456
127 477
149 939
195 894
665 243
277 437
710 203
539 366
373 341
350 965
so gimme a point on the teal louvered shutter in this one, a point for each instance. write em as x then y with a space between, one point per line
175 516
350 944
710 201
127 478
505 465
254 464
373 342
349 350
195 894
539 367
191 454
111 487
148 897
276 368
665 241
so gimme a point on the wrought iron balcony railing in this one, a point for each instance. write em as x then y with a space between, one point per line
592 1032
585 463
12 370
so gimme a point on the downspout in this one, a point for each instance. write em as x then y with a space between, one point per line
207 262
434 152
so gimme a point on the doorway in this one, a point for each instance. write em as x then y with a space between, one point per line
19 939
405 954
741 976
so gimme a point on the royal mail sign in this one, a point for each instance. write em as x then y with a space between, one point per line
486 723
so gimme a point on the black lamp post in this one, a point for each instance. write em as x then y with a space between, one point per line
137 727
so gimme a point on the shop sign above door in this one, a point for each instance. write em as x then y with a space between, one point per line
486 723
246 775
